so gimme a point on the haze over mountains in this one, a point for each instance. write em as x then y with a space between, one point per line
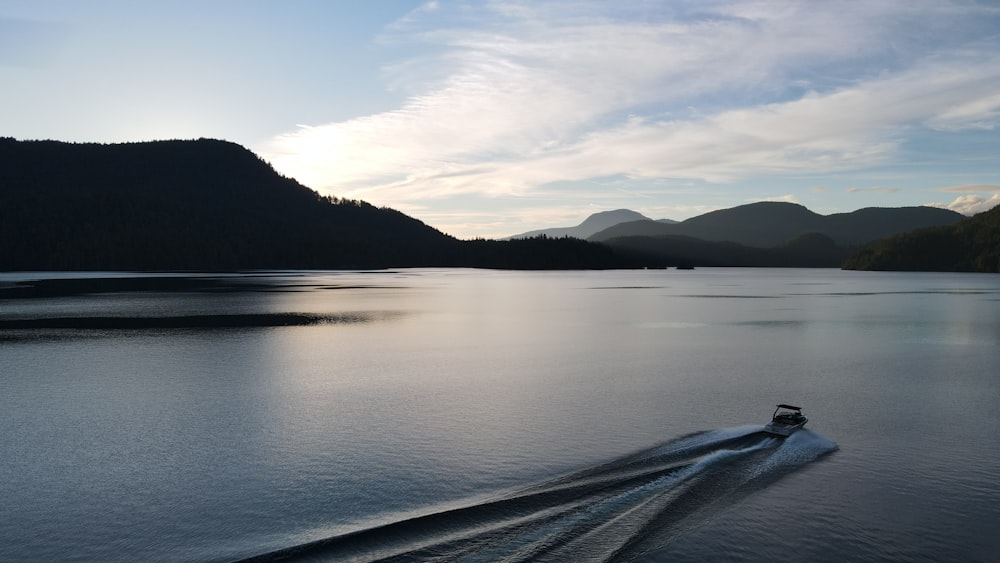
592 225
769 223
214 205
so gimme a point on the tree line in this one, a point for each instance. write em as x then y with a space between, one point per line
214 205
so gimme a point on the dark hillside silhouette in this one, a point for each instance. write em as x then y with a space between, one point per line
873 223
201 205
763 224
541 253
971 245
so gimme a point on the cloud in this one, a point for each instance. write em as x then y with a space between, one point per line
971 204
873 189
980 111
976 188
518 96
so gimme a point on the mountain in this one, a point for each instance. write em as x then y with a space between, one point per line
769 224
212 205
873 223
591 225
762 224
971 245
202 204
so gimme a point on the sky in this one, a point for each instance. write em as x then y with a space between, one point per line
492 118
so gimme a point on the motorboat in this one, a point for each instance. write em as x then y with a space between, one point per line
786 420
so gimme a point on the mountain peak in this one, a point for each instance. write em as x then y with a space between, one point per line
593 224
605 219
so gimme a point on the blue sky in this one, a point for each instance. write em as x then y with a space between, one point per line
495 118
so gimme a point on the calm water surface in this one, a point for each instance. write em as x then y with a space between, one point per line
483 415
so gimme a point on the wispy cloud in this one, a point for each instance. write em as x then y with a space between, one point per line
519 95
873 189
977 188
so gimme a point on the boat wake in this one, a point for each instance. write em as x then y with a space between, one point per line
616 511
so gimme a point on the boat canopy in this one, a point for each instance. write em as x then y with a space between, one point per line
794 408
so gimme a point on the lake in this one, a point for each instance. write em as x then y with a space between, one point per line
480 415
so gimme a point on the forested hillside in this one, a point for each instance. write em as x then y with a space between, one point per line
206 205
971 245
807 251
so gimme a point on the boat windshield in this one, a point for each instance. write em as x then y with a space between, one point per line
787 410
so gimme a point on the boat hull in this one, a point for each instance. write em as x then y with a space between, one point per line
781 429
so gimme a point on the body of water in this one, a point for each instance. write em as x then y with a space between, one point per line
480 415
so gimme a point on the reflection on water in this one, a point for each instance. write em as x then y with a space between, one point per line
215 417
246 320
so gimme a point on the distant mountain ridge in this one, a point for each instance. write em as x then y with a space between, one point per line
769 224
591 225
762 234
